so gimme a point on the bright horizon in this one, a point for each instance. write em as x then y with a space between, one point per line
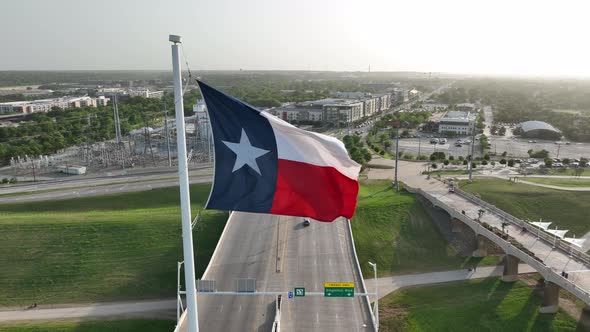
525 38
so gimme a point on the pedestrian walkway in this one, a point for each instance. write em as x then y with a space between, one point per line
154 308
390 284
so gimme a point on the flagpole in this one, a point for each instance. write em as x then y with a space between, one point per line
187 235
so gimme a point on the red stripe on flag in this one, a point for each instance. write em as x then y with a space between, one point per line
318 192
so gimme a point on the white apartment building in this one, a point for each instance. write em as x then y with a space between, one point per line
45 105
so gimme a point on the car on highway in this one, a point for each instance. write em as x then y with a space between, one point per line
442 141
458 144
533 141
434 141
306 222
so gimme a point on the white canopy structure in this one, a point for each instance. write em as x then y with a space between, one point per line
576 242
558 232
543 225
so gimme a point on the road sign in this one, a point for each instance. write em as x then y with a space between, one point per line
339 289
290 295
300 291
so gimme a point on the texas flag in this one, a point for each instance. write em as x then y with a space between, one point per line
265 165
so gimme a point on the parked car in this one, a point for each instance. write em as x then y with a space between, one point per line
306 222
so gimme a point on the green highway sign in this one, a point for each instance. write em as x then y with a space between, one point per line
339 289
300 291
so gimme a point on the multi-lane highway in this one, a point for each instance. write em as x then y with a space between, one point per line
82 187
280 253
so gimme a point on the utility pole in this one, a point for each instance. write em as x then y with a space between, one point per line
558 148
419 145
396 183
185 207
472 156
34 177
116 118
167 135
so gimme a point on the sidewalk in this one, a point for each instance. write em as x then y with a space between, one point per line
391 284
154 308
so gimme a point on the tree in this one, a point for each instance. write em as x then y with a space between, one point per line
461 158
451 158
548 162
511 163
583 162
503 161
446 162
504 154
486 157
484 162
434 165
387 144
566 161
465 162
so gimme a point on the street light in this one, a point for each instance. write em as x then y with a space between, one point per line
376 305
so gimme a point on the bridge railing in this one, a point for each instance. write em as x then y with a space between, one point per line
550 238
359 272
549 273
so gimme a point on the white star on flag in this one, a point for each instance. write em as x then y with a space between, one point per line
246 154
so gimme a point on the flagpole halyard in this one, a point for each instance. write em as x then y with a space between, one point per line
187 235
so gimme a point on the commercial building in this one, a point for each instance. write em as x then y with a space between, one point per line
435 107
145 93
457 123
45 105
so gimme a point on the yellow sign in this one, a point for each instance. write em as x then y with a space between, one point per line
338 284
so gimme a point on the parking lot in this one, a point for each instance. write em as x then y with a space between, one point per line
515 147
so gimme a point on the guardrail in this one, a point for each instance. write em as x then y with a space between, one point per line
559 243
360 274
548 273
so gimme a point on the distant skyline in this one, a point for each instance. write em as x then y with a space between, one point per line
522 38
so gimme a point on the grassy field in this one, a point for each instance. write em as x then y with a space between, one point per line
393 230
127 325
474 305
562 182
559 171
103 248
565 208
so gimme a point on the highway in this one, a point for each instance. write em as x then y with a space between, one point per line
82 187
307 256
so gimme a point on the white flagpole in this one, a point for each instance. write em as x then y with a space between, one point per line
185 204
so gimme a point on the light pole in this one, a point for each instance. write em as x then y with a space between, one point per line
376 306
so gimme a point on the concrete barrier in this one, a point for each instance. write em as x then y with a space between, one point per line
360 274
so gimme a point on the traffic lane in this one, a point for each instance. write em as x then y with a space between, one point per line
317 254
247 250
99 190
423 146
71 184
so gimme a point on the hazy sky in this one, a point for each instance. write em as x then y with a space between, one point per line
533 37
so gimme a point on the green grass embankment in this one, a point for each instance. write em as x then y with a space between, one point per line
128 325
561 182
474 305
566 209
393 230
106 248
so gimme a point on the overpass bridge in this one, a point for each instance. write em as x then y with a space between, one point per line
560 264
280 253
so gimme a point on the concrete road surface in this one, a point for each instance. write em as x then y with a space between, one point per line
281 254
96 187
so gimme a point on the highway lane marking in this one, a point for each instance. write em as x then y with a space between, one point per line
221 308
